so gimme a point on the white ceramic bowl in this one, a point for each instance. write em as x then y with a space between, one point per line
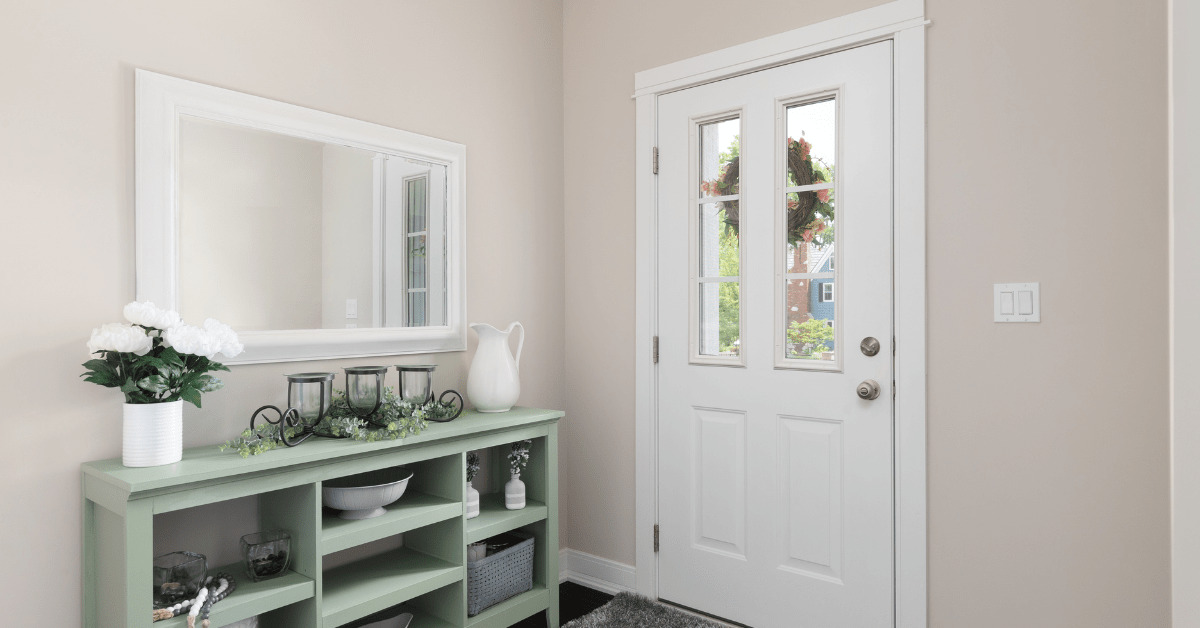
363 496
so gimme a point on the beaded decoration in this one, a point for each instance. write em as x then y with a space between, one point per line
216 588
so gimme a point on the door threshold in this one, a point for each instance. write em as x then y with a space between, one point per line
691 611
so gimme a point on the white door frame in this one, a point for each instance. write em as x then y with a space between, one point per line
902 22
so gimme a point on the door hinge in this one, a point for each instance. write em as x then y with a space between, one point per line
656 538
654 350
893 346
654 159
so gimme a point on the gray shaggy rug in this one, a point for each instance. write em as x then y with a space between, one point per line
629 610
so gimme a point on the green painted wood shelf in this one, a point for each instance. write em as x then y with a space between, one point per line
494 518
369 586
251 598
414 510
427 575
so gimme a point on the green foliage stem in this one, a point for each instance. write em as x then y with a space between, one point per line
395 419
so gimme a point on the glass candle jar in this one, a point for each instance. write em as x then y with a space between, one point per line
178 576
416 383
310 394
364 389
266 554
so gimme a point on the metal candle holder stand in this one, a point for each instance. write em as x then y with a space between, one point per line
294 415
413 388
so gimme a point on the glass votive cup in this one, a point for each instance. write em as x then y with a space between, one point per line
416 383
310 394
266 554
178 576
364 389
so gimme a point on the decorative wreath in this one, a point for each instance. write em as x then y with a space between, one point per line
809 213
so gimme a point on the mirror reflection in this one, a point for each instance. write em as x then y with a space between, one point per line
278 232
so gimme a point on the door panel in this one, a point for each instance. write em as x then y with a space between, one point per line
774 261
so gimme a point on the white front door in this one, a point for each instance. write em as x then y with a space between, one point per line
774 263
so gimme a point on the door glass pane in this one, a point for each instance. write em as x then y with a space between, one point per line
416 261
719 157
720 248
720 325
416 308
812 142
718 264
810 262
417 205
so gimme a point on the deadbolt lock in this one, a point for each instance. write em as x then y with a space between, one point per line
869 346
869 389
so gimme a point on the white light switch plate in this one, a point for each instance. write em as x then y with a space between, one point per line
351 308
1017 303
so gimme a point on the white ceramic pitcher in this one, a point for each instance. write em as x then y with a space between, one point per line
494 381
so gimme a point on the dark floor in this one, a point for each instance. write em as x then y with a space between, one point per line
574 601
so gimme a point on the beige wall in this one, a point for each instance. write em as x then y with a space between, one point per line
1048 477
240 188
1185 290
486 74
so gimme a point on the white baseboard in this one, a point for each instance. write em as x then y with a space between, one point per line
594 572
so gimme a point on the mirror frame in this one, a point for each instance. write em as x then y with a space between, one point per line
161 99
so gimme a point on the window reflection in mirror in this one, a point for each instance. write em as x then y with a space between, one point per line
284 233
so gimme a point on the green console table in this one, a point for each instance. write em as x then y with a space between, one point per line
427 575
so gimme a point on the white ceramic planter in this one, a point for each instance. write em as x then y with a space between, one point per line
472 502
152 434
514 493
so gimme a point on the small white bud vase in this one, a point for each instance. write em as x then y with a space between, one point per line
514 493
472 502
152 434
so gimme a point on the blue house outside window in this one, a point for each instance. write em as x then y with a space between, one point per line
821 300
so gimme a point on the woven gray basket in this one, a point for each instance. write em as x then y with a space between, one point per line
500 576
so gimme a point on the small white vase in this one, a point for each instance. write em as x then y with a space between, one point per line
472 502
152 434
514 493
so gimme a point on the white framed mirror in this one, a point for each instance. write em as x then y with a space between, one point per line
312 234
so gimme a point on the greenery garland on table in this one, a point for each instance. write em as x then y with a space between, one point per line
394 419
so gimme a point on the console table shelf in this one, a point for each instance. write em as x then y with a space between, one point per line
427 574
251 598
413 511
494 518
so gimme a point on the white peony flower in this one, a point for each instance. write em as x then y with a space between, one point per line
224 336
191 339
121 338
147 314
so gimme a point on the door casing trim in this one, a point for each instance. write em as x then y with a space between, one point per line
903 22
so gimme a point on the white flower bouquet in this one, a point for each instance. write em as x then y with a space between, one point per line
156 358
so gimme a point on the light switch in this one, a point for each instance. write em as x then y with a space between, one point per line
351 308
1017 303
1006 303
1024 302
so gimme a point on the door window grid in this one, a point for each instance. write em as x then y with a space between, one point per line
717 279
809 273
